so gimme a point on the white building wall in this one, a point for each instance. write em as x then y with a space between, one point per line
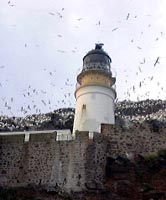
94 105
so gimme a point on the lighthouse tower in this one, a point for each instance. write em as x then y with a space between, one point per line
95 93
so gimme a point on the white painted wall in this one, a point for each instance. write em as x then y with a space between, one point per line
99 108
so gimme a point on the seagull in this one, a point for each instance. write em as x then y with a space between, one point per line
61 51
51 13
133 88
157 61
98 24
151 78
59 14
143 62
114 29
139 47
140 69
127 16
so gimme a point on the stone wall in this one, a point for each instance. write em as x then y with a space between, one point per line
43 161
96 162
24 163
137 139
74 165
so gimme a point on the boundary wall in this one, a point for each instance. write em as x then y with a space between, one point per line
72 165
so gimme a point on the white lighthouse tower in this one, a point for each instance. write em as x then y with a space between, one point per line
94 93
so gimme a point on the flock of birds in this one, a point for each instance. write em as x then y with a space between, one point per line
59 119
139 112
63 118
33 96
142 111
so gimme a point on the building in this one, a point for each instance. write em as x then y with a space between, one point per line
95 92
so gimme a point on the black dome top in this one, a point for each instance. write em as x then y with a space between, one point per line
97 59
98 50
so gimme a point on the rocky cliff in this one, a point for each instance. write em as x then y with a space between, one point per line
143 178
147 110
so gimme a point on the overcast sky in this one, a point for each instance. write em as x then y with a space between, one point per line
42 44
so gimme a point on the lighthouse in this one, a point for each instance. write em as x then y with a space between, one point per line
95 92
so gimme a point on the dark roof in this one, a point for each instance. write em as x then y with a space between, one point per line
97 51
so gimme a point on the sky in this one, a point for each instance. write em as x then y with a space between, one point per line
42 44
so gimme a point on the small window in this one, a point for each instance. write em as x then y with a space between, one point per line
83 106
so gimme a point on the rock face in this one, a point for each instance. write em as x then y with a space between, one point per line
125 180
142 179
126 112
59 119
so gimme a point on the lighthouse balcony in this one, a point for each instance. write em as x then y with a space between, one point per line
89 84
101 66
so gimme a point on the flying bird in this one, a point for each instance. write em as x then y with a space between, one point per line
133 88
114 29
157 61
151 78
140 69
143 62
98 23
51 13
61 51
59 14
128 15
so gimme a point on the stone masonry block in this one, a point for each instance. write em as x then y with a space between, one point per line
43 137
